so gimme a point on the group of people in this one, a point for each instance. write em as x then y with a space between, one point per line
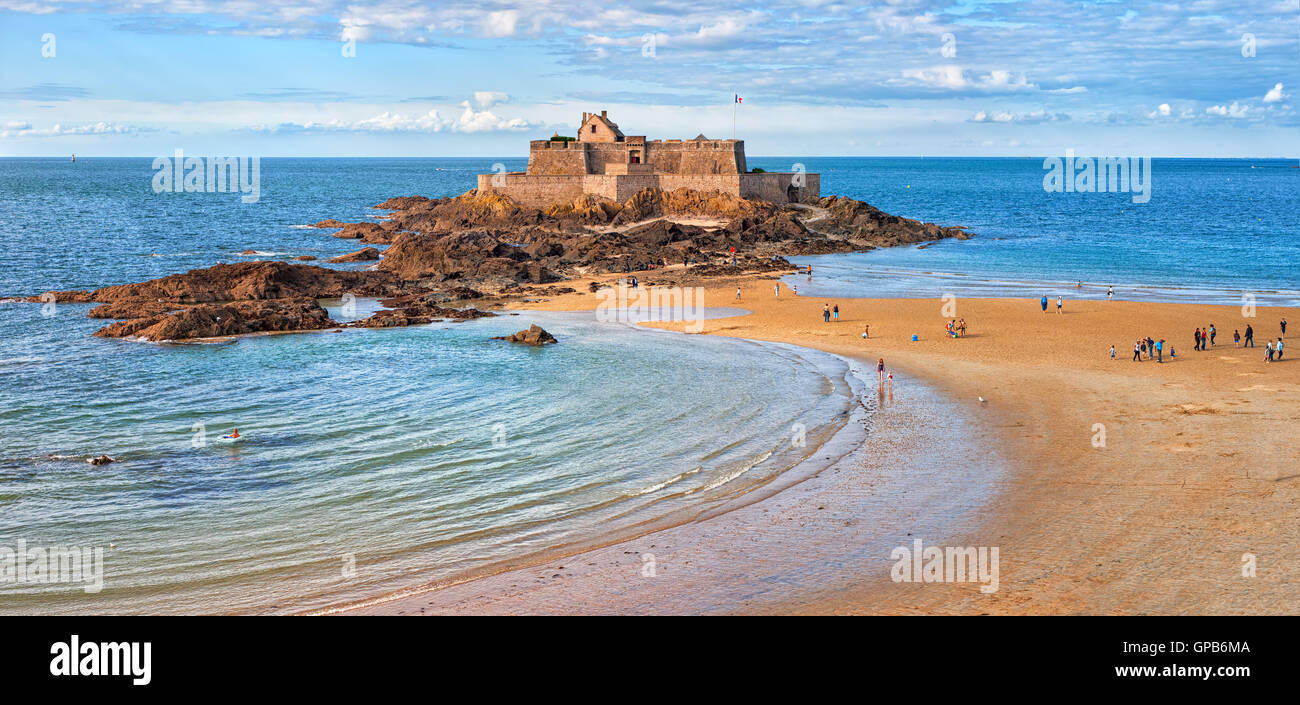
1149 348
1043 303
956 328
828 312
1203 336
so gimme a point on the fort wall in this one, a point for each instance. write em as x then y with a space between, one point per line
541 190
602 161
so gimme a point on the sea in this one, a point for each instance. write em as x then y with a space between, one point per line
373 462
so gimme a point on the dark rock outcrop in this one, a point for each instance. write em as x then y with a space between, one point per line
244 281
365 254
417 312
535 335
215 321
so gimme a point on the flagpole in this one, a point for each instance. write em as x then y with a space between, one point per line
733 114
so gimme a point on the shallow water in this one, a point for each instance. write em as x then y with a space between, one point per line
373 460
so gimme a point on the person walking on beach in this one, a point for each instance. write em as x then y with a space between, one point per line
1236 338
1151 348
880 370
1268 351
1250 337
1279 348
1197 345
1112 353
1137 351
826 313
776 290
1142 346
1213 333
1284 327
1160 350
1043 301
1110 293
1058 305
836 312
737 293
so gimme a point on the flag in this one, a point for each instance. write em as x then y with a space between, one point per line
738 98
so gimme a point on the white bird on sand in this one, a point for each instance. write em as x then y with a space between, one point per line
982 400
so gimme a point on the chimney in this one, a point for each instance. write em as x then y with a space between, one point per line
604 113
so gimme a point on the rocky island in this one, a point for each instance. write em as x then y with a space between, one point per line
601 204
486 248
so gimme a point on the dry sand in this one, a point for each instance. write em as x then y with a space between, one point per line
1199 466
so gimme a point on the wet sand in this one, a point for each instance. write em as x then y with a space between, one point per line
1199 467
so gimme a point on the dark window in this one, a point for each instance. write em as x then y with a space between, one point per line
593 128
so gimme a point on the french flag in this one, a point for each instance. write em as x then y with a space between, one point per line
738 98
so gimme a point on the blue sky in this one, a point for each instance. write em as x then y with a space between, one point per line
901 77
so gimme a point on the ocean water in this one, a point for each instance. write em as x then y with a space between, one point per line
376 461
1213 230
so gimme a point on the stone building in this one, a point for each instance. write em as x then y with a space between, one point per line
602 161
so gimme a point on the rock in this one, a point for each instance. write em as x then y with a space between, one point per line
417 312
305 258
243 281
215 321
464 256
331 223
248 252
372 233
63 297
132 309
100 460
535 335
365 254
402 203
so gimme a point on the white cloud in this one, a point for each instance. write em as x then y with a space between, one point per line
1004 116
468 121
17 128
1233 111
1275 95
1162 111
487 99
500 23
484 121
950 77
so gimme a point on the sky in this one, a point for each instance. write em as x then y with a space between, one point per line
1199 78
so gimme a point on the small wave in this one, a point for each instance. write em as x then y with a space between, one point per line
670 481
429 444
259 253
728 477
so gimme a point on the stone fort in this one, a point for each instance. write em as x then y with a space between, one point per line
602 161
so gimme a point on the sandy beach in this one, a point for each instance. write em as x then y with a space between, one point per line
1110 486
